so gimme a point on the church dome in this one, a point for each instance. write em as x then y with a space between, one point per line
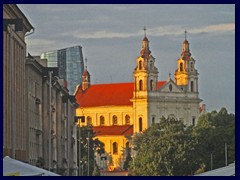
145 39
185 42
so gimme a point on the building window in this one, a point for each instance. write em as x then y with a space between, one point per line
140 65
192 87
127 119
115 148
153 120
191 65
102 120
151 65
170 87
89 120
127 145
151 85
140 124
140 85
193 121
114 120
181 67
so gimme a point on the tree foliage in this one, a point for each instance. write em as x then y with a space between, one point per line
162 150
169 148
128 159
214 131
89 144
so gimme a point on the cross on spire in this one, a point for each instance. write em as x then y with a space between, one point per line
144 28
185 34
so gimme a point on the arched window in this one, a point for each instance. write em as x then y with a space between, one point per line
151 85
127 119
140 124
153 120
89 120
151 65
192 86
170 87
140 85
140 65
114 120
115 148
102 120
193 120
191 65
181 66
127 145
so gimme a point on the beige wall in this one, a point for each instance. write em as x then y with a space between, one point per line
34 130
14 52
117 158
107 112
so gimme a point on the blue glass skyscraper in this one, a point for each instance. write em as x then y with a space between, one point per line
70 65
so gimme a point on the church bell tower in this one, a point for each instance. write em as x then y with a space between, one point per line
145 73
186 76
85 78
145 81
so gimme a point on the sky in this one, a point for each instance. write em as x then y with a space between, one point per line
111 35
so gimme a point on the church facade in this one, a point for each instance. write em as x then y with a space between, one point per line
117 111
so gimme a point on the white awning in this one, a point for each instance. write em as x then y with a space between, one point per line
224 171
12 167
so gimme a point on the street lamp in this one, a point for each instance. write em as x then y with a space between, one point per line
78 120
88 150
82 163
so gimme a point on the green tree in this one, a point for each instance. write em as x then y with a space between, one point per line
212 132
90 145
163 149
128 159
96 170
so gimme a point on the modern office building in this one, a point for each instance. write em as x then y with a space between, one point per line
70 64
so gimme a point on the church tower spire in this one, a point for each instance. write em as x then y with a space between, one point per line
186 75
145 73
185 48
145 51
145 83
85 78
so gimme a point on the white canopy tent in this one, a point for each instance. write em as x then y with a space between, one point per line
12 167
223 171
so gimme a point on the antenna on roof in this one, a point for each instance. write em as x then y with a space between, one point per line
86 62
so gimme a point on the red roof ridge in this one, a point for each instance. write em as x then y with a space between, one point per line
113 83
112 94
130 126
113 130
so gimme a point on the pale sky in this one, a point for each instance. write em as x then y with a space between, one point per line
111 38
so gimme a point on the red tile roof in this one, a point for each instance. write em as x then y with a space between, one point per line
160 84
125 130
107 94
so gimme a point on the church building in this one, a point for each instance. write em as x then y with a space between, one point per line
118 111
